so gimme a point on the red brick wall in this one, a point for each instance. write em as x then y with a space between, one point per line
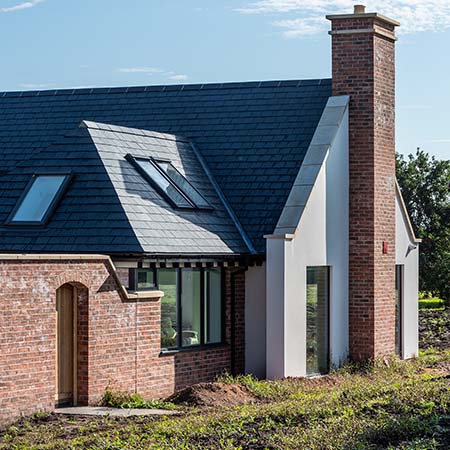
364 68
118 341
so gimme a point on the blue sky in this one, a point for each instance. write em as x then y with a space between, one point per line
46 44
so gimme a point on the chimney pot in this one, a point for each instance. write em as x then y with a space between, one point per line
359 9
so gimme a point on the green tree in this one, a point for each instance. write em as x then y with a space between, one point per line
425 186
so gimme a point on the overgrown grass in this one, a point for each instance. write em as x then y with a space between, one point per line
386 405
115 398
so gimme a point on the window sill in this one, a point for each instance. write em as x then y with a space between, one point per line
194 348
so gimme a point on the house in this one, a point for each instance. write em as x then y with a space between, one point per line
154 237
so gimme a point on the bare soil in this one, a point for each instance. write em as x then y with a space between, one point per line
213 394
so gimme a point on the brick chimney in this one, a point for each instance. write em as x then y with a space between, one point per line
363 55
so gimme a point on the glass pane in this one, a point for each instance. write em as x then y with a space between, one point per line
213 306
184 184
163 183
145 279
317 320
190 307
167 282
398 309
39 198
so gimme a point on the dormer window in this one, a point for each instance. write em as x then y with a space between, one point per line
39 199
169 182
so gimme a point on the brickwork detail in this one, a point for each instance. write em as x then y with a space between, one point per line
364 68
118 341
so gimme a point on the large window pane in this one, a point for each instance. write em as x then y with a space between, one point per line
167 281
190 307
317 304
39 198
213 306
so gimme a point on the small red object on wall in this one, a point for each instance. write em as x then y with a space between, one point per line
385 248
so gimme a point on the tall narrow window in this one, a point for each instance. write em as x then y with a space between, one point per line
213 306
317 327
167 282
190 307
39 199
398 309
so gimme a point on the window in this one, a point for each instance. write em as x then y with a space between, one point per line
183 184
39 199
398 309
317 326
142 279
169 182
192 306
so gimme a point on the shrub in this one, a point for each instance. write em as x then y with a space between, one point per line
431 303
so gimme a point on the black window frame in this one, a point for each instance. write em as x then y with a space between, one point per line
157 161
399 280
134 160
328 321
68 176
133 279
202 342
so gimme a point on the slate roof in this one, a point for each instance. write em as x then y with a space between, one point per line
253 137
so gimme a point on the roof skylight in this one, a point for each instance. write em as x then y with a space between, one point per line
39 199
169 182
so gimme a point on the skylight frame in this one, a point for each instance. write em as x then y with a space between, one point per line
134 160
68 175
156 162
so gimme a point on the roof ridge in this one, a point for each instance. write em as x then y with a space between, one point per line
90 125
170 87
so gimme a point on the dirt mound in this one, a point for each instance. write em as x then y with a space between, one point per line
213 394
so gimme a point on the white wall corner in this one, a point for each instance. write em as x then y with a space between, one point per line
312 231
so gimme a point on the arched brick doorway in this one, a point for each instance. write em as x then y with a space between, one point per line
71 344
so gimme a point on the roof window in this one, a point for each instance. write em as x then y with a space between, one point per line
39 199
169 182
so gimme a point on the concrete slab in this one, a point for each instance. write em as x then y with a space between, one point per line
112 412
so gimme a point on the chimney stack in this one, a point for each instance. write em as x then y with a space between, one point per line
363 67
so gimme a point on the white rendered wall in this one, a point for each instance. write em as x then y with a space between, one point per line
255 321
410 261
321 239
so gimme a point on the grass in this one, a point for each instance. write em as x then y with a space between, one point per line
386 405
431 303
119 399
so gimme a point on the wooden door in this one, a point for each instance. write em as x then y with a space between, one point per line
66 312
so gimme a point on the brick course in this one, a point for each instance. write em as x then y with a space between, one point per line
363 66
118 341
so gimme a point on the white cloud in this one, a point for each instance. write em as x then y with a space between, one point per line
414 15
178 77
34 85
148 70
20 6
